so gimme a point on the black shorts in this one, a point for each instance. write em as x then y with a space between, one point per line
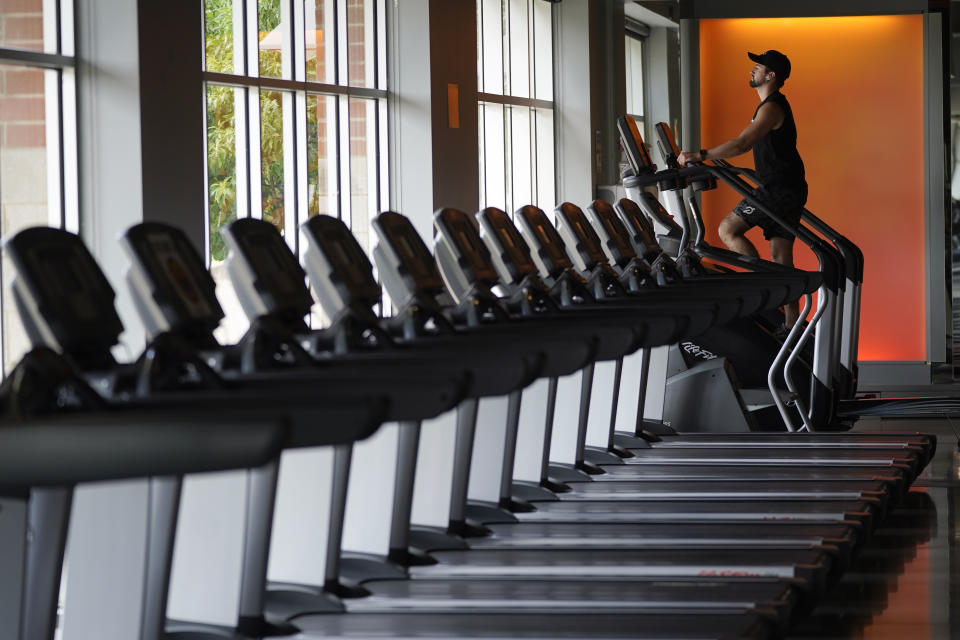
786 203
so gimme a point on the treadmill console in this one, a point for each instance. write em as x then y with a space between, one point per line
614 237
172 288
510 253
63 296
638 227
337 266
406 266
464 260
547 246
579 234
632 143
266 275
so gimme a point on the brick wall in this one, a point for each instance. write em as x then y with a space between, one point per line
21 89
23 167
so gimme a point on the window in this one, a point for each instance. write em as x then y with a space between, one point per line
38 157
633 49
515 80
296 118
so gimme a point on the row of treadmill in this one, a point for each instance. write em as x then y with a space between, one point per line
547 521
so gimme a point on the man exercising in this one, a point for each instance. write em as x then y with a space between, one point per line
772 134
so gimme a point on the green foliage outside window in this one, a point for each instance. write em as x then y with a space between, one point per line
221 125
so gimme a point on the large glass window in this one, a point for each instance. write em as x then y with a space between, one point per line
37 137
633 47
515 80
296 119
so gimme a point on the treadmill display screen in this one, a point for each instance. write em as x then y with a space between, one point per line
268 263
177 276
517 255
616 232
65 277
550 241
416 259
588 237
347 265
412 261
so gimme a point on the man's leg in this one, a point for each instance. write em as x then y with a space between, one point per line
781 252
731 232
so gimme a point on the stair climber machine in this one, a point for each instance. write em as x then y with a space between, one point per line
821 412
844 308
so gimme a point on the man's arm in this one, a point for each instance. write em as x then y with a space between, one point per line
769 117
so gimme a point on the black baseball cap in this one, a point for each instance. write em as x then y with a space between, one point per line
773 60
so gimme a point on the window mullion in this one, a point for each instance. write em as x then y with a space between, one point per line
253 155
343 159
68 138
290 173
383 156
508 158
299 55
66 28
251 39
52 109
507 41
301 151
342 44
380 18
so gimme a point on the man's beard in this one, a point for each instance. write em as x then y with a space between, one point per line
755 83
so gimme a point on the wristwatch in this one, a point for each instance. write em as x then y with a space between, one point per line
703 155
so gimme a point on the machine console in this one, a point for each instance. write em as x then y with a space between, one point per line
63 296
457 230
547 245
404 250
337 266
507 246
614 236
265 273
173 289
668 145
632 143
577 231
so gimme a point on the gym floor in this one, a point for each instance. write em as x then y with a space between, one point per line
906 578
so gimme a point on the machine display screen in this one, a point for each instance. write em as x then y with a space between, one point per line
267 261
178 276
65 278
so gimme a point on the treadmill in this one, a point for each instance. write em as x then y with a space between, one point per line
634 607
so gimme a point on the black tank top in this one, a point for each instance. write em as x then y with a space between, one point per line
775 155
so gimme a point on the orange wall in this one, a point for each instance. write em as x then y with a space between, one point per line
856 89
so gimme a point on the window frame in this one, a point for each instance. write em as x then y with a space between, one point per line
296 89
60 116
513 104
